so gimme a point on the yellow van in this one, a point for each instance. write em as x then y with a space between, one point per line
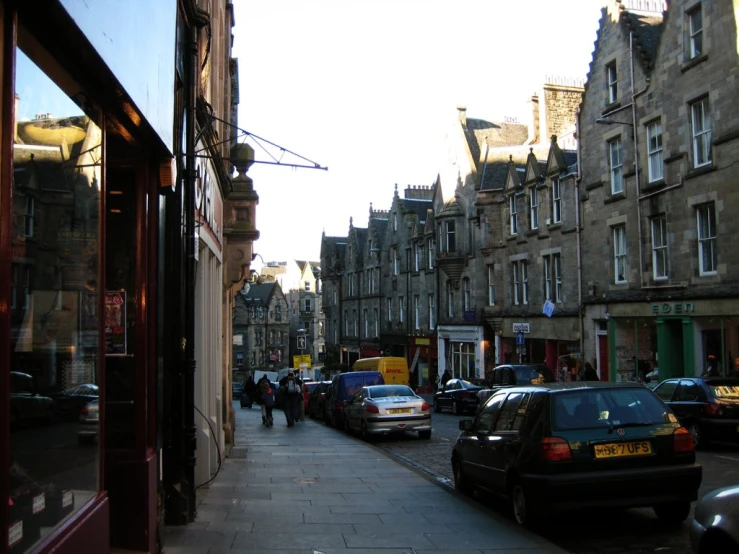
394 370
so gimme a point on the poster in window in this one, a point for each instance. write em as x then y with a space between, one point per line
115 323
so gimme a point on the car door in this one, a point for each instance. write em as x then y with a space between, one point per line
501 444
689 401
353 409
473 440
449 391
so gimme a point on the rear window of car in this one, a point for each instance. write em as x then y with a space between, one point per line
533 375
598 408
310 386
390 390
728 390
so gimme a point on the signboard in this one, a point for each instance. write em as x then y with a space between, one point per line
521 328
303 361
238 340
520 338
301 342
115 323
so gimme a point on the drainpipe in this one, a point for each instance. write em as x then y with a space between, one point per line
636 161
578 234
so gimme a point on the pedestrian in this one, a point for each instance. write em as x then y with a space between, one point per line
261 381
292 394
250 388
268 401
590 373
445 377
711 367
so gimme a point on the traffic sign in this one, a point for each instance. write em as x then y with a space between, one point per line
301 342
520 338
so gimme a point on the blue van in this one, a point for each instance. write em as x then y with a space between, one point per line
343 387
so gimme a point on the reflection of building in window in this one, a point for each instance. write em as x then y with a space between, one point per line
239 359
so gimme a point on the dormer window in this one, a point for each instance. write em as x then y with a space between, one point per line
513 214
534 208
449 236
395 221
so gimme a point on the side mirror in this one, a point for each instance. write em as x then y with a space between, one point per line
465 425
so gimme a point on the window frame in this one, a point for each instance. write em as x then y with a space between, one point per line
612 82
695 35
432 312
417 311
556 200
534 207
701 130
616 165
491 285
449 298
619 254
431 252
706 241
655 151
513 212
659 248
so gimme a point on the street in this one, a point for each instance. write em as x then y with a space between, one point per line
635 531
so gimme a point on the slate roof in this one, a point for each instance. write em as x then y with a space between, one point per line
570 157
479 132
647 30
418 207
259 293
379 226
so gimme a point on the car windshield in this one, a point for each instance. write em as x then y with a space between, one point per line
533 375
310 386
728 390
390 390
606 407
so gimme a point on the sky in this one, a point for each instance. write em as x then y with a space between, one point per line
370 89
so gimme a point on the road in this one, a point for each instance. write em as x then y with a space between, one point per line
634 531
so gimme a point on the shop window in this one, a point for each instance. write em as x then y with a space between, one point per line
55 321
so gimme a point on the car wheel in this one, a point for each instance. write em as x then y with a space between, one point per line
437 408
697 433
461 483
456 410
523 511
425 435
672 512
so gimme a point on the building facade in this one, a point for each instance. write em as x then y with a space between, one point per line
658 144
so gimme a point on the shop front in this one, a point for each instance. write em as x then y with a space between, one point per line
461 350
80 166
539 340
673 339
423 364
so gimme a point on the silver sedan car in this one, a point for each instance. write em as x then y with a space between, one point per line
386 409
715 527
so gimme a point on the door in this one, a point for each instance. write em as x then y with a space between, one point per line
473 457
502 442
689 401
603 368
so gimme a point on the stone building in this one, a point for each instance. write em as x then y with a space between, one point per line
261 327
658 139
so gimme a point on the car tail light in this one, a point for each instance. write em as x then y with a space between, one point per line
339 405
713 409
682 441
555 449
425 407
372 409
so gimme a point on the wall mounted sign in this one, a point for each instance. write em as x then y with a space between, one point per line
521 328
673 309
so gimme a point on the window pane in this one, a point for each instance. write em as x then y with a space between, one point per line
54 317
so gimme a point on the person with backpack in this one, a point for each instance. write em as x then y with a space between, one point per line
292 393
268 401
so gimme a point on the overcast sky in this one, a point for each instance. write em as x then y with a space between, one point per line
369 88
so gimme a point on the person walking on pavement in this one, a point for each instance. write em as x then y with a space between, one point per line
263 379
292 394
445 377
268 401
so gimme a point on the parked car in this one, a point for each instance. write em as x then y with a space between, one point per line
386 409
578 445
344 386
511 375
308 387
27 406
237 389
707 406
715 525
457 395
68 403
317 401
89 420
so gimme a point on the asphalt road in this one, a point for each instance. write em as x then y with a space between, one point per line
634 531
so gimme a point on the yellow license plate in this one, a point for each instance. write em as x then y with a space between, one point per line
400 410
623 449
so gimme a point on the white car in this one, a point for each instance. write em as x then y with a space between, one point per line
89 421
386 409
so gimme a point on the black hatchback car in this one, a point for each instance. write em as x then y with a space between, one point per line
707 406
562 446
458 395
511 375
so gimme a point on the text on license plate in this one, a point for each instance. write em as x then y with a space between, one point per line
622 449
399 411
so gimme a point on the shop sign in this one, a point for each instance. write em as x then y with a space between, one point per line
208 201
673 309
521 328
115 323
423 342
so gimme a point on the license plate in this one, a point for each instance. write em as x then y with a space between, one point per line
623 449
67 499
400 410
39 503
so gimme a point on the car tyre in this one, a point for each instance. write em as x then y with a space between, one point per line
523 512
437 408
673 513
461 483
425 435
456 410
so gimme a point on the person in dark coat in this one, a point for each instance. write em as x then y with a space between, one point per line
292 394
590 373
445 377
251 388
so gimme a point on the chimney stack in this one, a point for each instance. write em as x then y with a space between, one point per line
534 123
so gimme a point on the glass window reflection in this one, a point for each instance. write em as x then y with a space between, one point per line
54 307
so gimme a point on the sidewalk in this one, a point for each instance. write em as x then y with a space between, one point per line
311 489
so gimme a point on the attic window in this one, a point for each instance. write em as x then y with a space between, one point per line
612 80
695 24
